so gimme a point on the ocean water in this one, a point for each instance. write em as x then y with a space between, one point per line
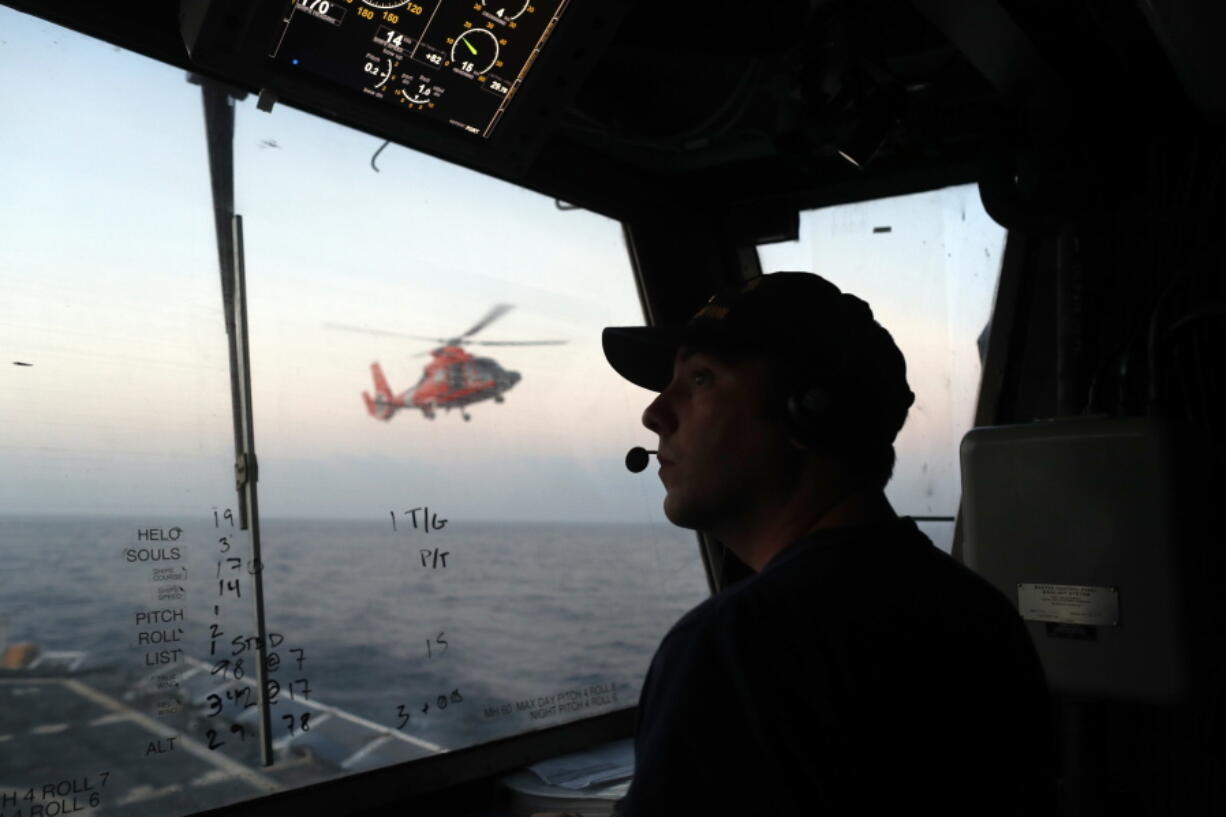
517 626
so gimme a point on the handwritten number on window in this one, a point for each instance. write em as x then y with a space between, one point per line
304 722
437 642
305 690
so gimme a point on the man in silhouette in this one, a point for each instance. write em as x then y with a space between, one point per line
858 669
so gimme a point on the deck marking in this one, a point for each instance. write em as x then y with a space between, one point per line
114 717
24 681
365 750
344 715
255 779
144 791
49 729
189 673
211 778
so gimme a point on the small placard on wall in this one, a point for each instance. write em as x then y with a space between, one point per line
1069 604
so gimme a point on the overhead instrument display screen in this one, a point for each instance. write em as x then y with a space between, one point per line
457 61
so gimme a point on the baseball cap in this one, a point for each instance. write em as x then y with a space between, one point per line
799 317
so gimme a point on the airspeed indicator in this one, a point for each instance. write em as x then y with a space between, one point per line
475 51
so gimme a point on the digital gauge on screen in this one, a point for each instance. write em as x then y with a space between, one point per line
456 61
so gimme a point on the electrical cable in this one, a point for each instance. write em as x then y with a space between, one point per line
376 155
1186 265
1151 346
1209 310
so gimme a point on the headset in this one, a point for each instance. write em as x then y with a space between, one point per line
808 410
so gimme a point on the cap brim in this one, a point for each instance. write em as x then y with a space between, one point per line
643 354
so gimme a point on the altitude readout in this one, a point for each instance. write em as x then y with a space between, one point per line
458 61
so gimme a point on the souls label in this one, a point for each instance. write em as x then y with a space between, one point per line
134 555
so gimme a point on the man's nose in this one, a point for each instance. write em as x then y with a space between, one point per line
659 416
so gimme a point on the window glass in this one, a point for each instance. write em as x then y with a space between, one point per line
430 583
117 439
448 525
928 265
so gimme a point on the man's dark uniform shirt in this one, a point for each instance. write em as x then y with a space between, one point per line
862 671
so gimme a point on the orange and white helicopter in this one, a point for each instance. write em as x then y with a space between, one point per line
452 379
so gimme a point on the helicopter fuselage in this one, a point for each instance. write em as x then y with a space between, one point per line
455 379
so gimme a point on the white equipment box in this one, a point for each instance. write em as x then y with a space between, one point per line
1077 522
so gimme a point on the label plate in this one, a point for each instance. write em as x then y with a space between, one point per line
1069 604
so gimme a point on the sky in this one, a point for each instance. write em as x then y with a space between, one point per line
109 266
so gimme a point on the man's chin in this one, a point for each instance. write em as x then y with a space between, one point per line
681 514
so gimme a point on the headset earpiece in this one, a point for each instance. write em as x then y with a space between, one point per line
806 410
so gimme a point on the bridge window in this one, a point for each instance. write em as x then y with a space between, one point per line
430 583
928 265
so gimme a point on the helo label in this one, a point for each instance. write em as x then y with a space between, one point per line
1069 604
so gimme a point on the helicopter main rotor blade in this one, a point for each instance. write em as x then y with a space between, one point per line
513 342
383 332
494 314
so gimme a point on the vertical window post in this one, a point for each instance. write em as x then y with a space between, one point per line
246 474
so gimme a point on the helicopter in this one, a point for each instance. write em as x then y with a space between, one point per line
453 379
